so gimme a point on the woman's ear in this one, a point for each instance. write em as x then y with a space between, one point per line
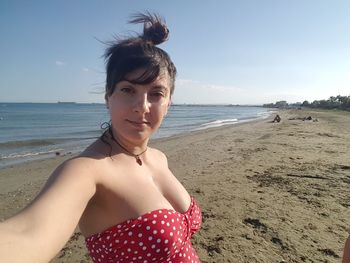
169 103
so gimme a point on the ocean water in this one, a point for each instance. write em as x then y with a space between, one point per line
40 130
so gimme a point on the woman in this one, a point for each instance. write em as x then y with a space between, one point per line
128 204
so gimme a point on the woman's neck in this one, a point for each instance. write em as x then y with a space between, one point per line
134 149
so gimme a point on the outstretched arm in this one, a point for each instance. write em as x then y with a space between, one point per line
39 231
346 256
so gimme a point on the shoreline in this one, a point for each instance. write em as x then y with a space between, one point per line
37 156
269 192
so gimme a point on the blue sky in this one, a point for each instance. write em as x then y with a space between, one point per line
239 52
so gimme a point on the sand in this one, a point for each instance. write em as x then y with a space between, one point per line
269 192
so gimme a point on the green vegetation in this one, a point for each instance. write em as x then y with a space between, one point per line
338 102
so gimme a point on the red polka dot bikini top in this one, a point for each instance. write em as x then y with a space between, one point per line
162 235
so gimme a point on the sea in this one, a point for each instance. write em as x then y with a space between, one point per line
31 131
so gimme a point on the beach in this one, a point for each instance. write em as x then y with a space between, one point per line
269 192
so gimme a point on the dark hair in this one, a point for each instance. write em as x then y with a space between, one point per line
127 55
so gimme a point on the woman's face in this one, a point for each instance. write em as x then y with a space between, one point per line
137 111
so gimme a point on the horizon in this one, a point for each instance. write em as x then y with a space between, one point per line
172 104
102 103
253 53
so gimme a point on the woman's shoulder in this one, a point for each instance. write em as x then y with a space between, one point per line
78 167
96 151
158 154
87 163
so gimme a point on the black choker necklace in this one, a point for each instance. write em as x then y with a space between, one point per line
136 156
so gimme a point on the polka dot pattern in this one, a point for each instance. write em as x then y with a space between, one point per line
161 235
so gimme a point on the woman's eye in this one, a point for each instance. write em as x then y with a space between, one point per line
157 94
127 90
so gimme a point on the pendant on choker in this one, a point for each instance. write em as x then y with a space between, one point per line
136 156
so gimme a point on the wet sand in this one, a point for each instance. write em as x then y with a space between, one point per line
269 192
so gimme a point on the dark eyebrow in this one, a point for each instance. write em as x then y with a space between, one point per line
159 87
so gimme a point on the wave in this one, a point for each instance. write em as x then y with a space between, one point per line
266 114
28 154
216 123
221 121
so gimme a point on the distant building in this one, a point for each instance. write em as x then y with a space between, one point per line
281 104
269 105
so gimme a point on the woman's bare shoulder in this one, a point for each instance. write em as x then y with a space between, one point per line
157 153
87 164
97 150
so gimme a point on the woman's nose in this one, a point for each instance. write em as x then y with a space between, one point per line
142 103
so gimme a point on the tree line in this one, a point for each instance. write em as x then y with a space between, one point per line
338 102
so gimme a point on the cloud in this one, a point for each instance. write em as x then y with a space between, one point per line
85 69
60 63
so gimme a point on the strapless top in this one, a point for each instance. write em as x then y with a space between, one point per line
162 235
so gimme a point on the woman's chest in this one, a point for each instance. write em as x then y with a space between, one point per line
129 193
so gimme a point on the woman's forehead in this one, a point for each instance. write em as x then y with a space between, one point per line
163 78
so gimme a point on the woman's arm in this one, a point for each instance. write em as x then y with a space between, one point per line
39 231
346 256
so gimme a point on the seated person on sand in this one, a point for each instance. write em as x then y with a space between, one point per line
277 118
128 204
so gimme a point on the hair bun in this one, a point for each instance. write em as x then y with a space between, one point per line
154 29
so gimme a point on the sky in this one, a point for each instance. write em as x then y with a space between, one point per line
226 52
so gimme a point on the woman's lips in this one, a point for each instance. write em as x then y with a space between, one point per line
138 123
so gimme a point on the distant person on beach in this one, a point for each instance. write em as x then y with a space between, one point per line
121 193
277 118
